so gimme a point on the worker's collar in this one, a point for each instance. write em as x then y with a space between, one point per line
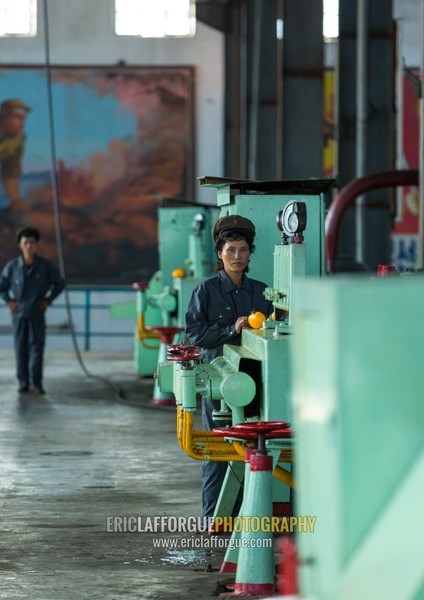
22 263
230 286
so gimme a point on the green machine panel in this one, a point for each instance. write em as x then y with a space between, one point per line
358 389
175 227
261 201
266 358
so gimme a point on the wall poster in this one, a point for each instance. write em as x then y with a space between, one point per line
404 239
124 139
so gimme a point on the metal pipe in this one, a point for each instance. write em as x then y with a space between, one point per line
143 334
204 445
279 472
400 157
280 85
347 197
87 321
284 476
195 443
361 123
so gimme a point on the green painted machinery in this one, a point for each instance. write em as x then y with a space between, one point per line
358 387
185 243
264 354
261 202
185 250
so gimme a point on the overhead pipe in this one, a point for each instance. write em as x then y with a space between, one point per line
280 85
347 198
401 162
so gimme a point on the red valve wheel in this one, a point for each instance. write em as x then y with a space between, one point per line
140 286
235 433
169 331
279 434
166 333
262 426
183 353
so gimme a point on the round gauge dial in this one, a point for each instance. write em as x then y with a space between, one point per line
198 223
292 219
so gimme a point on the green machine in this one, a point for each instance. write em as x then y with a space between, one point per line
358 386
186 257
261 202
298 250
185 243
253 381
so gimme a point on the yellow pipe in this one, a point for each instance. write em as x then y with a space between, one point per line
143 334
202 438
284 476
188 442
286 455
180 426
202 445
191 439
279 472
239 447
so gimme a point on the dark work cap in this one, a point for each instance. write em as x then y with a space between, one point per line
232 222
27 232
15 105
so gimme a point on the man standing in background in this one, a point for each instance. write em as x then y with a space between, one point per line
29 284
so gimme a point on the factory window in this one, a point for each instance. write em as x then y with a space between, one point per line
18 18
331 19
155 19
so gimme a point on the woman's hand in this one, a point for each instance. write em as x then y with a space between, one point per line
13 306
44 304
241 323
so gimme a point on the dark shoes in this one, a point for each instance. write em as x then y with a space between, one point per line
37 391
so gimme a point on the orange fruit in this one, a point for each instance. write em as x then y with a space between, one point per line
178 273
255 319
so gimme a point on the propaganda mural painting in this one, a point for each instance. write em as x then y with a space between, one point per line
122 140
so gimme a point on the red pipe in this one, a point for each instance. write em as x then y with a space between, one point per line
288 579
347 197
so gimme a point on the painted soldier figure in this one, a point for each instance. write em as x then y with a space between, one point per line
12 144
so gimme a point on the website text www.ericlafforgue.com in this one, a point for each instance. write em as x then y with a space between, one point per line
214 542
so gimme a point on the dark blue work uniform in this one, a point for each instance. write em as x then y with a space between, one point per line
29 286
214 307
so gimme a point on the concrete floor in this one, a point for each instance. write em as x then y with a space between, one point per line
76 456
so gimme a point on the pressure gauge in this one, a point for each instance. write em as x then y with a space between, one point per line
292 219
198 223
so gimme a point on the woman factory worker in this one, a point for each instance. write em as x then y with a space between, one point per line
217 313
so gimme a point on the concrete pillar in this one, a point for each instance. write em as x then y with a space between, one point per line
303 138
